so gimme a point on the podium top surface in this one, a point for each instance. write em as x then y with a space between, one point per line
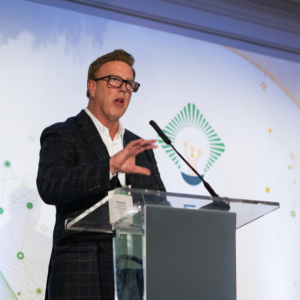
246 211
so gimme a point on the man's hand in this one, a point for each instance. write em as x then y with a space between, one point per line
124 161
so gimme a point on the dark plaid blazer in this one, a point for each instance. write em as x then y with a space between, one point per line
73 175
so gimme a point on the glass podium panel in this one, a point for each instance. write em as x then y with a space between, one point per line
246 210
127 227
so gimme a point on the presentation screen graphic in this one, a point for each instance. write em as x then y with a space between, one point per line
234 115
193 136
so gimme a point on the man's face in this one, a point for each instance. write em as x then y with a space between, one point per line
109 103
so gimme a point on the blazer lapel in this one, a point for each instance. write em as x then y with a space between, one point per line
137 180
140 158
90 132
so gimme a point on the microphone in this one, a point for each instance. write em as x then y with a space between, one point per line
215 204
160 133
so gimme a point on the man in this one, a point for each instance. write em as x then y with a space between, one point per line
82 159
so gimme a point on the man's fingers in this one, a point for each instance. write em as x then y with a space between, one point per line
125 159
141 170
146 147
138 150
136 146
138 143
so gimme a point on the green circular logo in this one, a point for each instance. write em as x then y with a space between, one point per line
191 122
29 205
1 210
20 255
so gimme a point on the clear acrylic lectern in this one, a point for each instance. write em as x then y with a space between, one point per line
172 246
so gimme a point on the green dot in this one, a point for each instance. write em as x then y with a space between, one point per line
19 294
7 164
29 205
39 291
293 213
20 255
1 210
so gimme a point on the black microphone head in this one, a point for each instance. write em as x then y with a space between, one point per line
152 122
160 132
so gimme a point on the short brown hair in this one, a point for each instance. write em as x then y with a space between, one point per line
117 55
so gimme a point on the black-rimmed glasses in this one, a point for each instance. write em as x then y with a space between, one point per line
117 82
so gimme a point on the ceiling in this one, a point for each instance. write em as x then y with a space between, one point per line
270 27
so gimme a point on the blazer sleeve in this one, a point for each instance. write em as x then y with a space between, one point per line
59 180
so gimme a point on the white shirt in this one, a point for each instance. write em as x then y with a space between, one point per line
112 146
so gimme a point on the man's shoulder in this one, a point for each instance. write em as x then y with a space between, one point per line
66 128
69 123
63 127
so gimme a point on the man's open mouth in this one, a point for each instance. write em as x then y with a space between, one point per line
119 101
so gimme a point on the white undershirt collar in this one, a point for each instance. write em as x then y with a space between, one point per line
112 146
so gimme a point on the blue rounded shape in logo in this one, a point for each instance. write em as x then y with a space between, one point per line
192 180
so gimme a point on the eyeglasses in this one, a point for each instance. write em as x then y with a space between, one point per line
117 82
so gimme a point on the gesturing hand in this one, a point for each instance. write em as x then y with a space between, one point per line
124 161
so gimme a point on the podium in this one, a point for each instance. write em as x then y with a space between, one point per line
172 246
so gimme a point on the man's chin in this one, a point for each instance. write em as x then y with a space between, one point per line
115 118
117 115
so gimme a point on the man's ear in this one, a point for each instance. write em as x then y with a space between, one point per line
92 87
